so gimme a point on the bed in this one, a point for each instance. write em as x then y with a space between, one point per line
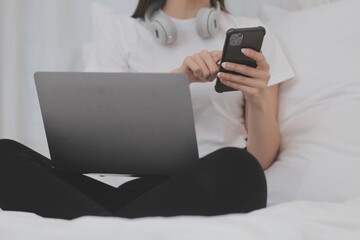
295 220
314 186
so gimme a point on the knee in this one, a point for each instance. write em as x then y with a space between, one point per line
231 166
9 148
236 175
238 163
234 159
14 155
9 145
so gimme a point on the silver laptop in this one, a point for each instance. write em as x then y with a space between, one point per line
129 123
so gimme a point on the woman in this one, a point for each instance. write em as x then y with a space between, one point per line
235 146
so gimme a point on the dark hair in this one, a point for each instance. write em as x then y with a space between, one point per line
143 5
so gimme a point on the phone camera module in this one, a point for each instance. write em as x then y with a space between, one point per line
236 39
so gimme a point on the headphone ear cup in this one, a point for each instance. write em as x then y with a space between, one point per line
213 22
202 22
206 22
158 32
164 30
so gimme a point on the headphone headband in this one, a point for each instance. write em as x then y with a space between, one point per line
152 8
164 29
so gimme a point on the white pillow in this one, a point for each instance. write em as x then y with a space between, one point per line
269 12
301 4
319 109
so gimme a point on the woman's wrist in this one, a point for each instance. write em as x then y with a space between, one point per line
260 100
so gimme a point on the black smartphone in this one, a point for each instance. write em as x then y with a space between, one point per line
237 39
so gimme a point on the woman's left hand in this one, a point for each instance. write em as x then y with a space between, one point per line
256 84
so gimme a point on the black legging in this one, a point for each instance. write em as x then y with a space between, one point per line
229 180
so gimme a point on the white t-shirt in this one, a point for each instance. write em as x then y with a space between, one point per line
124 44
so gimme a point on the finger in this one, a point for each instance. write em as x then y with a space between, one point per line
257 56
216 54
209 61
245 89
248 71
205 71
193 66
250 82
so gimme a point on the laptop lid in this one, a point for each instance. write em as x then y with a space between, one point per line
129 123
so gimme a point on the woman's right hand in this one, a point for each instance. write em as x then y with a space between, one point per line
201 67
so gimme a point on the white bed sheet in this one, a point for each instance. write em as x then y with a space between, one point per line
293 220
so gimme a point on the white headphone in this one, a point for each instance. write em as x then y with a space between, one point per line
164 29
